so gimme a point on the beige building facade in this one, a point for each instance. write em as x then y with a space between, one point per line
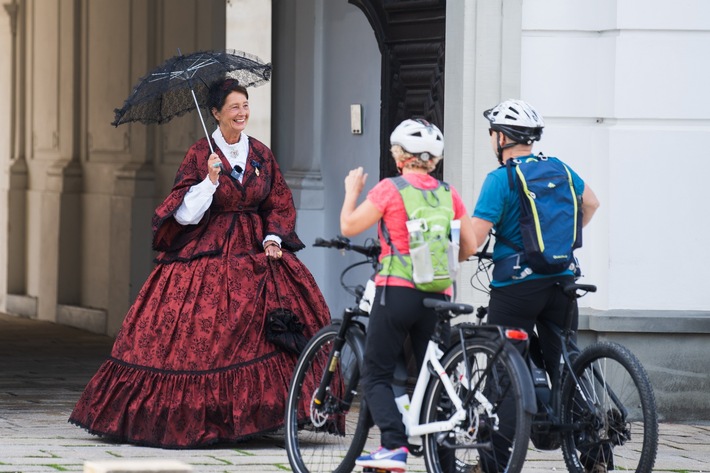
77 195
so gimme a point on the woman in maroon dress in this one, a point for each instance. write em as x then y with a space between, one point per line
191 365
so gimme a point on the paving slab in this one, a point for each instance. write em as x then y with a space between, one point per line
44 368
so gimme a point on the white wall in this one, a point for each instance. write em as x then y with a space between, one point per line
482 65
623 89
620 84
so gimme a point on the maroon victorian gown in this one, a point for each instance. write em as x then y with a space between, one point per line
190 365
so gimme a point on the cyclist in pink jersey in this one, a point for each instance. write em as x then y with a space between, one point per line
397 312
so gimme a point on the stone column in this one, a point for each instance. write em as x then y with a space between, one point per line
130 255
80 193
482 68
132 166
298 85
14 179
53 217
297 90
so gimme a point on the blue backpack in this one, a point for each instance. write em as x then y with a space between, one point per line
550 214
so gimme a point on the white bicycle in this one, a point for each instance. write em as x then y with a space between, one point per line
453 415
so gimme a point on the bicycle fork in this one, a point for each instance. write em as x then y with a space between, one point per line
334 362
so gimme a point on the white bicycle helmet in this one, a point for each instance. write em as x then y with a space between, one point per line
419 137
516 119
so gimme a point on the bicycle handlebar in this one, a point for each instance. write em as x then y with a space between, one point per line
341 243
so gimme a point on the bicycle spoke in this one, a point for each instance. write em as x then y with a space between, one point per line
329 436
614 409
496 429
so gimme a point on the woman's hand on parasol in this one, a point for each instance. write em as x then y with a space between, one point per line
214 166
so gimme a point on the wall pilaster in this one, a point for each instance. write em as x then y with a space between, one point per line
299 60
79 194
14 178
482 68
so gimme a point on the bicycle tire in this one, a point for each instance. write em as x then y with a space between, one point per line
329 440
504 387
626 441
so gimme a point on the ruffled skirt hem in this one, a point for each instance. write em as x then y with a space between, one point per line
158 408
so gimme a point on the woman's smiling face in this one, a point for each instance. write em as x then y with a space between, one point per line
233 117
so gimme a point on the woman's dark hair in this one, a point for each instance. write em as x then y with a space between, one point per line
221 89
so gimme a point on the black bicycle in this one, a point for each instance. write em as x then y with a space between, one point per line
453 418
599 407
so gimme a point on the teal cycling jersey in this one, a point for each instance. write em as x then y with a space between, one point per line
499 204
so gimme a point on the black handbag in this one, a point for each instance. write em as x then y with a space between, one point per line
284 330
282 327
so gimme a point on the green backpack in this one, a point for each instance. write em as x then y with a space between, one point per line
431 211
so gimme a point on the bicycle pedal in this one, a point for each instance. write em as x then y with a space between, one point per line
368 469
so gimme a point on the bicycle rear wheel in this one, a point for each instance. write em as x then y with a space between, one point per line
497 436
619 426
326 438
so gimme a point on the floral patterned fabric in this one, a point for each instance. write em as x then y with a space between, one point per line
191 365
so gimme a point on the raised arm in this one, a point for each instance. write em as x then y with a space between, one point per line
356 219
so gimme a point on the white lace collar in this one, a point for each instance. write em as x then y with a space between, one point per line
235 153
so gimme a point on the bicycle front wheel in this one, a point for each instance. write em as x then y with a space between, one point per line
496 431
330 436
613 410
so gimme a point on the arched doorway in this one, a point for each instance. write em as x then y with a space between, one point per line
412 39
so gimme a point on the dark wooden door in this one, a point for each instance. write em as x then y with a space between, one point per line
411 35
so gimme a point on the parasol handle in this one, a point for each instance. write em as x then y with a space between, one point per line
199 112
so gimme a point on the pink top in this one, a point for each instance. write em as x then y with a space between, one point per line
386 198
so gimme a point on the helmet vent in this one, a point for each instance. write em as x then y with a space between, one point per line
517 120
417 136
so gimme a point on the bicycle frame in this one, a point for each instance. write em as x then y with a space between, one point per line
568 346
457 411
411 417
586 413
431 366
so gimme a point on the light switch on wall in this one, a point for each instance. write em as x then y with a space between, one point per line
356 119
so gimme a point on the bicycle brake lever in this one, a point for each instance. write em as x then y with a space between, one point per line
481 312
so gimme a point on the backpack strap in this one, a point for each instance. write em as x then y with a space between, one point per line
488 242
514 162
400 183
388 240
506 242
509 170
509 164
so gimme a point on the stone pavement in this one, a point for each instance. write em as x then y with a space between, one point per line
44 367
